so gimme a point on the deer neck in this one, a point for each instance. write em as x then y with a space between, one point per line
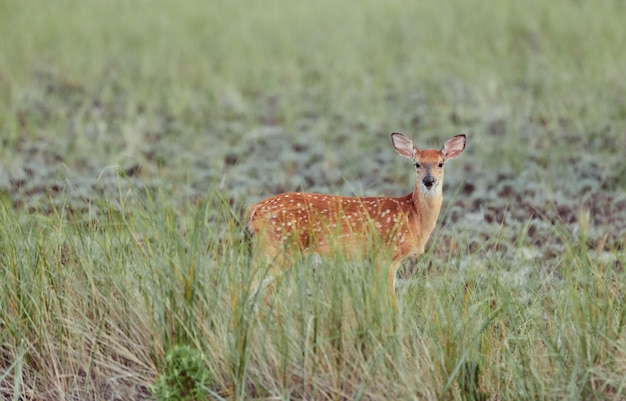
427 207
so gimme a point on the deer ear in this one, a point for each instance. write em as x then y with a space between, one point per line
404 146
453 147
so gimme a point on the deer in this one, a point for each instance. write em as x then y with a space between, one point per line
322 224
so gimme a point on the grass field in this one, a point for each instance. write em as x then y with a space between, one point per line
134 134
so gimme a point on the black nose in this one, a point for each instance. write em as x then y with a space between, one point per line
428 181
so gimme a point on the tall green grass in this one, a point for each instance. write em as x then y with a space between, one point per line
89 309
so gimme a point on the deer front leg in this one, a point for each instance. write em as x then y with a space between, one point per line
391 279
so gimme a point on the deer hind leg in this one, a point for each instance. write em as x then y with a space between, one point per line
267 261
273 257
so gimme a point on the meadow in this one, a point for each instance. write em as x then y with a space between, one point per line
134 134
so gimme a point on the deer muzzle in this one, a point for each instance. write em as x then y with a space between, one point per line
428 181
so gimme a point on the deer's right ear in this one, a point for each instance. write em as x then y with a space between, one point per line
404 146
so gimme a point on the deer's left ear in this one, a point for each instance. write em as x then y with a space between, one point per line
453 147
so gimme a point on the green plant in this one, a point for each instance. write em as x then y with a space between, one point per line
184 376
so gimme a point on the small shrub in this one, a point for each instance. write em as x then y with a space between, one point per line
184 376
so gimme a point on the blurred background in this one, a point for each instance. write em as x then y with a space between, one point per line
255 98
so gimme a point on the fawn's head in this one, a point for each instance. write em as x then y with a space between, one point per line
429 163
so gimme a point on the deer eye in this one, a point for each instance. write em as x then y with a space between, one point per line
417 165
440 165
